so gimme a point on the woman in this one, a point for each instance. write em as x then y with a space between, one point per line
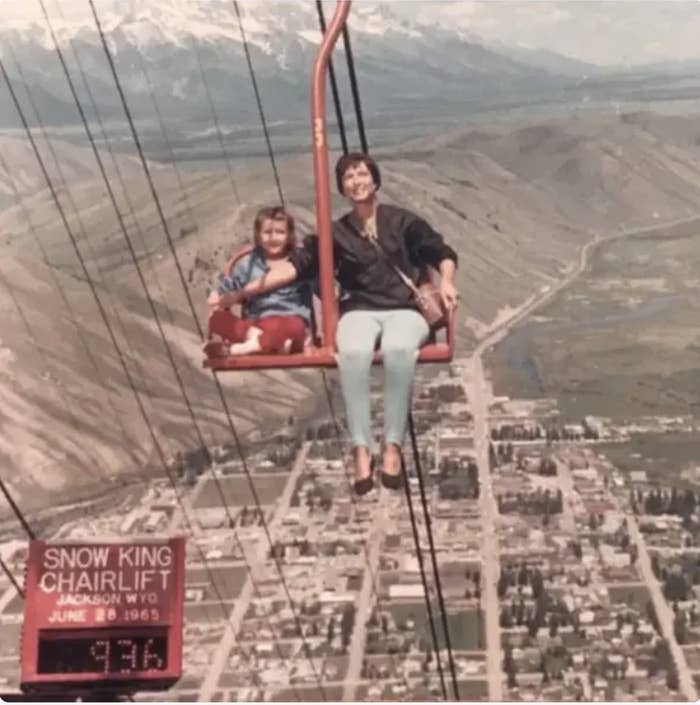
374 304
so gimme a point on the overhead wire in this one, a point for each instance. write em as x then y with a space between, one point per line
125 191
63 185
117 169
215 116
258 100
166 139
51 268
127 237
325 381
426 512
110 331
88 278
423 577
27 529
11 578
334 83
62 396
232 428
355 89
433 556
120 355
16 510
124 231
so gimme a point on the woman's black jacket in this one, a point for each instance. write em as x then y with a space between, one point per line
367 280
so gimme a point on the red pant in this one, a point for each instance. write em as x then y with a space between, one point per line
275 330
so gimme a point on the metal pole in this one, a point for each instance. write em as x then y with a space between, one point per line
319 140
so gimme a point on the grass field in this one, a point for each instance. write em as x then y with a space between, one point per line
622 341
228 581
466 628
237 491
633 595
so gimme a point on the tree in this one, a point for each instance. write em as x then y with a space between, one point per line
537 584
553 625
672 679
509 667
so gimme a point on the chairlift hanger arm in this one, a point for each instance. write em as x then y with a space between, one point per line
323 356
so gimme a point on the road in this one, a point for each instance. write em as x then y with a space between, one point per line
663 611
220 656
364 603
479 398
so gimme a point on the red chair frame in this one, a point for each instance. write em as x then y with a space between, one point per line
324 355
317 355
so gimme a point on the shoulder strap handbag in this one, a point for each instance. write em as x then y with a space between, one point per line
427 295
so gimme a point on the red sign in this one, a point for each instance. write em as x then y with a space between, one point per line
103 613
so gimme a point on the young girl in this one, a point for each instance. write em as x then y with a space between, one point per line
276 322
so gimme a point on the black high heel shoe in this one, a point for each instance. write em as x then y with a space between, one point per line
364 485
392 482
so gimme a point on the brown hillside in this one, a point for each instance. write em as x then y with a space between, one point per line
516 201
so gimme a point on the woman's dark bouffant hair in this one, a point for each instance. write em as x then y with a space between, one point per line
352 159
274 213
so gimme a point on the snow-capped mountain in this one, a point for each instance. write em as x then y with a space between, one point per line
402 65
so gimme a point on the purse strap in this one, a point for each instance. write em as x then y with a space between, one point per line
377 246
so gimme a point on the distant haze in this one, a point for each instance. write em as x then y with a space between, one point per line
604 32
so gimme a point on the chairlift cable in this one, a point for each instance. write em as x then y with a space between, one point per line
166 139
128 241
258 101
61 393
157 446
253 489
11 578
355 89
215 116
64 299
336 424
426 511
117 168
334 83
131 210
88 278
63 184
122 225
16 510
433 557
353 500
424 580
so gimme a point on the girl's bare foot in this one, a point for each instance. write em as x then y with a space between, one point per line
251 345
287 347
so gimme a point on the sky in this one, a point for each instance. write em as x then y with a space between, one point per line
605 32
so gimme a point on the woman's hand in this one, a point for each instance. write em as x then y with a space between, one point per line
449 294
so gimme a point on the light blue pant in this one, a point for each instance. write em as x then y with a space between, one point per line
402 332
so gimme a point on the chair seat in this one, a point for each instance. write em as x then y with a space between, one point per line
312 357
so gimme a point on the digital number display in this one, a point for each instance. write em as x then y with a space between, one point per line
110 654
